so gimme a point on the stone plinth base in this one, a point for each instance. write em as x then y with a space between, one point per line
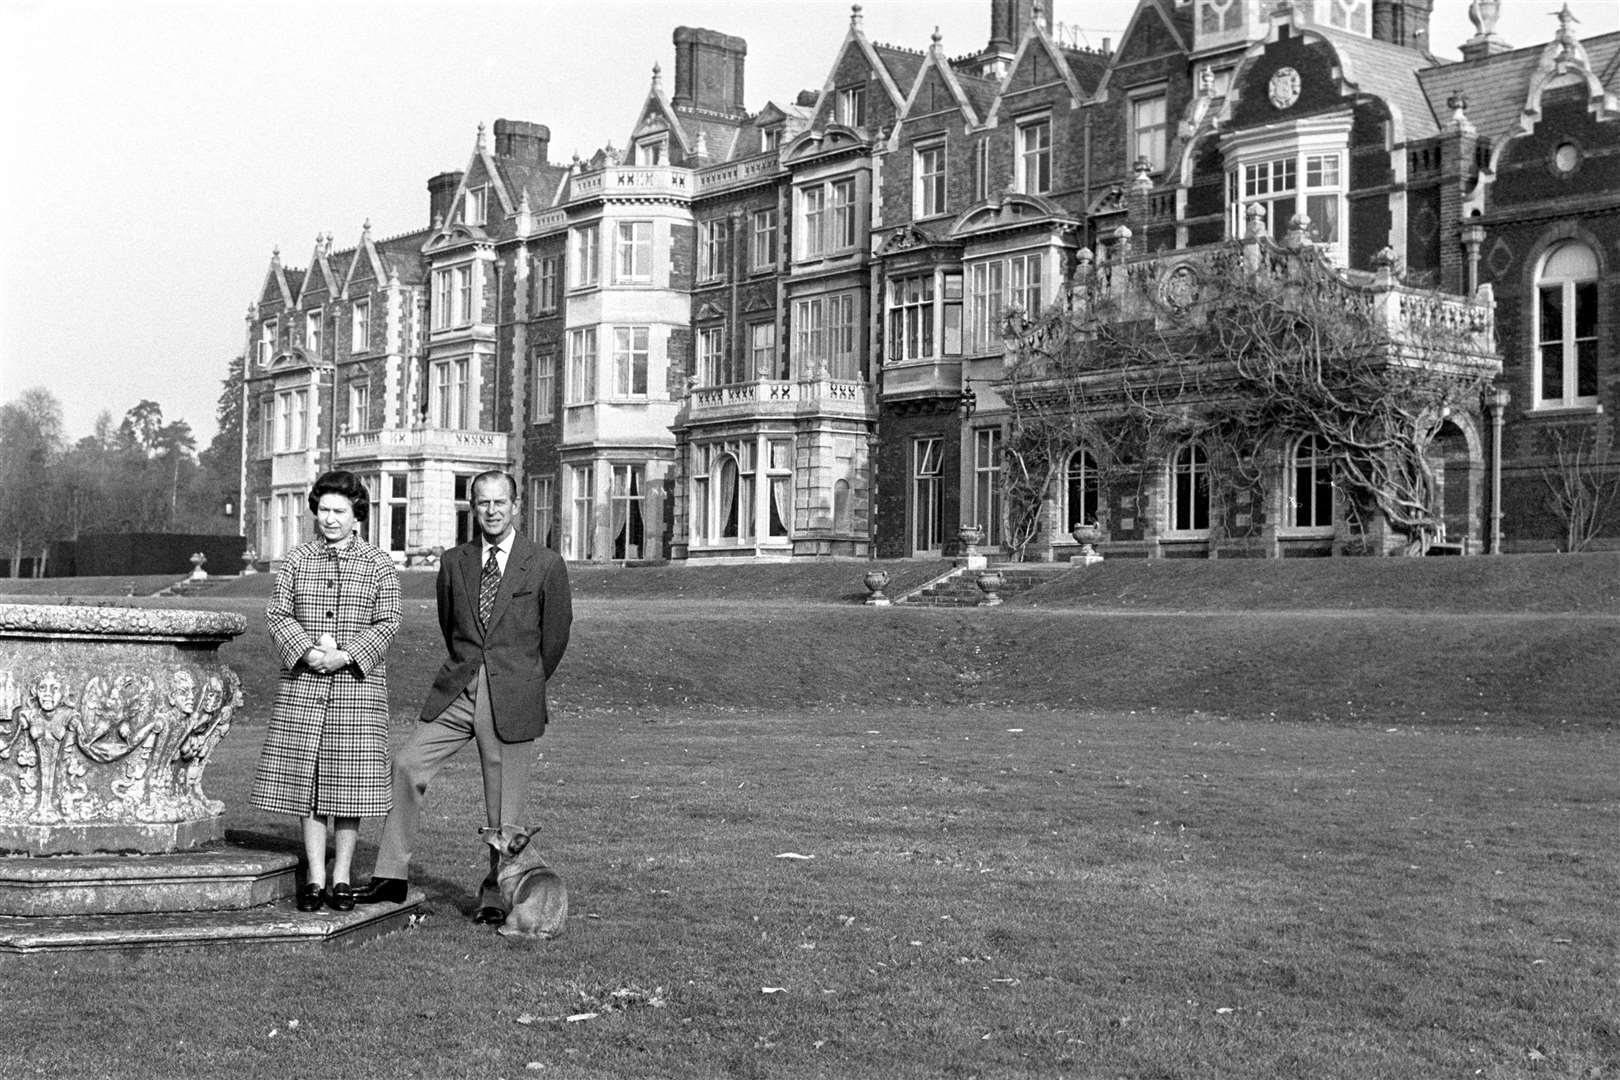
973 562
279 924
84 837
79 885
1084 560
876 601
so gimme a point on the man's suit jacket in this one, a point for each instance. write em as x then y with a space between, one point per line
521 646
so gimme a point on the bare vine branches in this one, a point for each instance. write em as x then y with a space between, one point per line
1246 356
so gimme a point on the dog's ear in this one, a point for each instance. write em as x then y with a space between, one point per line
517 843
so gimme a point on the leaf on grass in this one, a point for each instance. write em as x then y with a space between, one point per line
535 1066
1536 1055
1015 730
577 1017
1223 1010
773 989
793 855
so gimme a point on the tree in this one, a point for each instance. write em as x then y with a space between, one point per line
1243 348
219 478
30 443
1583 481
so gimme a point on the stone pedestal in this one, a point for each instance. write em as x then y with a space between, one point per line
1085 560
108 717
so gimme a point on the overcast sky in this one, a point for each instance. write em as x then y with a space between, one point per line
157 151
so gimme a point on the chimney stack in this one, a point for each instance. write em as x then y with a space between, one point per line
521 141
709 71
442 196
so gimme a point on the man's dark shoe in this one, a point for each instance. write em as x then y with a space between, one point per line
489 916
382 890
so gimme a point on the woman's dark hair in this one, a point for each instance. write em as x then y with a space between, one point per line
344 483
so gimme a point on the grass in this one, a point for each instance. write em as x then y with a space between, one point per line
1355 826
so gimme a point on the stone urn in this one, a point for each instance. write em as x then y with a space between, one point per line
990 585
876 581
198 561
1087 534
108 716
970 537
249 557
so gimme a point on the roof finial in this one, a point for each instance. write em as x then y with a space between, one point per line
1483 14
365 229
1566 33
481 145
937 37
854 16
658 75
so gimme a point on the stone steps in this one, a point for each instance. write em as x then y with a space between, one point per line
961 587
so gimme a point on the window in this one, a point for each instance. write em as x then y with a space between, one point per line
981 170
360 327
312 333
987 483
452 297
927 505
581 383
711 356
541 513
398 488
825 337
763 249
461 495
999 284
475 206
267 532
827 222
1312 498
625 500
1080 490
1035 156
630 361
713 237
449 402
770 140
852 106
1274 185
267 343
585 259
928 190
267 424
632 259
359 406
582 536
1189 489
543 390
292 424
651 152
545 283
1150 131
762 349
911 318
1566 373
779 474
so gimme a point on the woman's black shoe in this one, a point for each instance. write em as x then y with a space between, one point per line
341 898
311 897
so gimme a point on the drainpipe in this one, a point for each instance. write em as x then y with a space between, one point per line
1499 404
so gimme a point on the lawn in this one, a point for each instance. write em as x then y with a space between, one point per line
1155 823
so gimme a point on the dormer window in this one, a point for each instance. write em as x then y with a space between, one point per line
652 152
770 140
475 206
267 343
1150 129
852 106
312 333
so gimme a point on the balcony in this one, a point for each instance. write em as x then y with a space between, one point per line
779 399
471 447
633 181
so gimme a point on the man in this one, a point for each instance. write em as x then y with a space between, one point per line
505 612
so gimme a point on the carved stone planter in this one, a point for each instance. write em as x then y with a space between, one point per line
108 716
990 586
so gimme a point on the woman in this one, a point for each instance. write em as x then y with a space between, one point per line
332 614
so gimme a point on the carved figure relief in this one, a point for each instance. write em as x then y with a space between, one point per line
1283 90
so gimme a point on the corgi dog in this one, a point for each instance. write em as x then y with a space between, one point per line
536 898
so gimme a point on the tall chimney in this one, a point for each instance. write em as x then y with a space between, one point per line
1402 22
522 141
441 196
709 70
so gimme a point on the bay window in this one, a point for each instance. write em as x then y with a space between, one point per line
630 361
713 240
827 218
994 285
580 386
632 259
585 256
825 337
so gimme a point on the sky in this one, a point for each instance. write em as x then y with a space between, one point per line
158 151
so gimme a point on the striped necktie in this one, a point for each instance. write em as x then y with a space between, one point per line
488 583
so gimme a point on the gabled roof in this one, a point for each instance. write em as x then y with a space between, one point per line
657 109
937 65
321 277
366 264
1148 16
1037 49
1498 87
279 284
1388 72
893 67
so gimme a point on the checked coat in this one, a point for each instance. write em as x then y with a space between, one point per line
326 749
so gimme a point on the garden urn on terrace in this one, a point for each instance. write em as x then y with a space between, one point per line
1088 534
876 581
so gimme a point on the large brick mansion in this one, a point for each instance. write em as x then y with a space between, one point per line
777 332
